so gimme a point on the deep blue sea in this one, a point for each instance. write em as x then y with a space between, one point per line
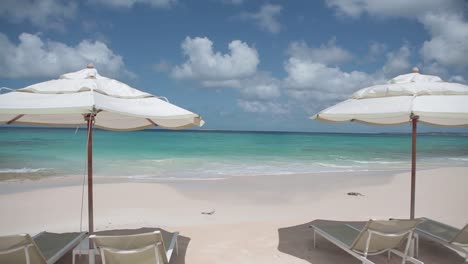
156 154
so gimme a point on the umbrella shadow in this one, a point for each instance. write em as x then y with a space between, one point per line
298 241
182 241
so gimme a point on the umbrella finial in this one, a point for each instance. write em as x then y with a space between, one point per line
90 66
415 70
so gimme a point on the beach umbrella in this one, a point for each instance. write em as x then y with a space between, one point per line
410 98
87 98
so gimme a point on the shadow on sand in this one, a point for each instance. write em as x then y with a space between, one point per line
298 240
176 259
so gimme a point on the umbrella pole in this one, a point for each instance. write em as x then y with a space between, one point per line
414 120
90 119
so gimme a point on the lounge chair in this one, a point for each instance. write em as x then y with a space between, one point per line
376 237
43 248
139 248
446 235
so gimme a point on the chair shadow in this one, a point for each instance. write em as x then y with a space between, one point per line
182 241
298 241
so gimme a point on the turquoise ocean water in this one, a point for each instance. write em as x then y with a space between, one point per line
169 155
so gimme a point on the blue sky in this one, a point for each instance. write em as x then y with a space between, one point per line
241 64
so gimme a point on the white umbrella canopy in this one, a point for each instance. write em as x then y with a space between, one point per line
435 102
412 97
87 98
116 106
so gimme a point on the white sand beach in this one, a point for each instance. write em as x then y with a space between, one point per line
261 219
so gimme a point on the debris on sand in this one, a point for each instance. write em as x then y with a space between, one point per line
355 194
209 213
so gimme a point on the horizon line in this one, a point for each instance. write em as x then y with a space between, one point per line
156 129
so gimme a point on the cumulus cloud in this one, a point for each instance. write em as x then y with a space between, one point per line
261 86
236 70
329 53
35 57
131 3
266 18
308 80
204 64
48 14
258 92
443 20
398 62
262 107
449 43
395 8
314 80
457 78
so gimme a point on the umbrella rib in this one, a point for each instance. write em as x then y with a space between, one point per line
14 119
151 121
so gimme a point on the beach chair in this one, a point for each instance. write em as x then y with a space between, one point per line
376 237
44 248
147 248
451 237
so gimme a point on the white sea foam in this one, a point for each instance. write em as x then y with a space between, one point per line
459 159
159 161
23 170
155 178
375 162
337 166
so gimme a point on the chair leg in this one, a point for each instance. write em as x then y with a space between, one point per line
416 246
91 257
403 260
26 252
314 239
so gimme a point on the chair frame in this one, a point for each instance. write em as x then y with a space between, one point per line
362 256
156 251
157 247
25 248
460 248
54 258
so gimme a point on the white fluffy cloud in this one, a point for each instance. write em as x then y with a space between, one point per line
314 81
262 107
326 54
42 13
394 8
204 64
236 70
449 43
258 92
311 78
34 57
131 3
443 20
308 80
261 86
398 62
266 18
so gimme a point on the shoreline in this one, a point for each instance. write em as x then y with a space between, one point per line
20 184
